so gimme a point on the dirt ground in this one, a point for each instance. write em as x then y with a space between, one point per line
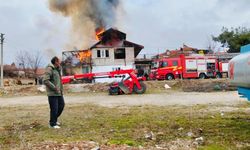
159 99
160 93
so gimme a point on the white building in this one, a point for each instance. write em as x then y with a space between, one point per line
113 52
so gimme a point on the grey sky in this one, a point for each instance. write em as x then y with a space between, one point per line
156 24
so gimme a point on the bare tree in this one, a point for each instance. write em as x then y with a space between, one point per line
29 61
22 59
35 61
211 45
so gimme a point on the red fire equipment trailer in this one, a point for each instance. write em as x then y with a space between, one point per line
129 84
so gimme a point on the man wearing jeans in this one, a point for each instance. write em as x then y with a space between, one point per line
54 88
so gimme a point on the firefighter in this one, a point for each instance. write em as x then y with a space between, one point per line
54 88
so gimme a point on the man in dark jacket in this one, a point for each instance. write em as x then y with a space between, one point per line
54 88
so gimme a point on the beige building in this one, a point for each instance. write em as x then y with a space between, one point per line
114 52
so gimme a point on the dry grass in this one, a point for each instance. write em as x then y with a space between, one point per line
27 127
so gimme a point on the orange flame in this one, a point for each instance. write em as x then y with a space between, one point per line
84 55
98 33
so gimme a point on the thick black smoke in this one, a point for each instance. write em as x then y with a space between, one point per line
86 16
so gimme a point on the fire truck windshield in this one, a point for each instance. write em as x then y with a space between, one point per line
155 65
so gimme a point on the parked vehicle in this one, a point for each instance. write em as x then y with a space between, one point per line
188 67
166 69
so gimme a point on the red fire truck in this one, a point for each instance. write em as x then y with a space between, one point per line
167 68
188 67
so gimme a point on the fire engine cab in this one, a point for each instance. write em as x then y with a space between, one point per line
167 68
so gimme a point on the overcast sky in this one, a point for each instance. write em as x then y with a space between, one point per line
155 24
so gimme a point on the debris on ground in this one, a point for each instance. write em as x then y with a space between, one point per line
198 141
180 129
167 86
222 113
150 136
42 89
190 134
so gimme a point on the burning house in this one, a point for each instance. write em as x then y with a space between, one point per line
76 62
113 52
110 53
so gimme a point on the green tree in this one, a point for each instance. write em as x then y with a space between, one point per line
234 38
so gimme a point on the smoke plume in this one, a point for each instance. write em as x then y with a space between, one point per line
86 16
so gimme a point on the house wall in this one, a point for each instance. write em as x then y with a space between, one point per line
110 63
111 59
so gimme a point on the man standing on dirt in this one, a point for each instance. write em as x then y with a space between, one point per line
54 89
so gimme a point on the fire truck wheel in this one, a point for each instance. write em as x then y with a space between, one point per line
202 76
142 90
169 77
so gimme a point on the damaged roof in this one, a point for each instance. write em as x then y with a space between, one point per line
112 34
115 38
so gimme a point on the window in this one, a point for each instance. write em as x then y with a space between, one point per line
98 53
102 53
107 53
164 64
120 53
175 63
116 69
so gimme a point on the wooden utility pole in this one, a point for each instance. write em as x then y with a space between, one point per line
2 40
